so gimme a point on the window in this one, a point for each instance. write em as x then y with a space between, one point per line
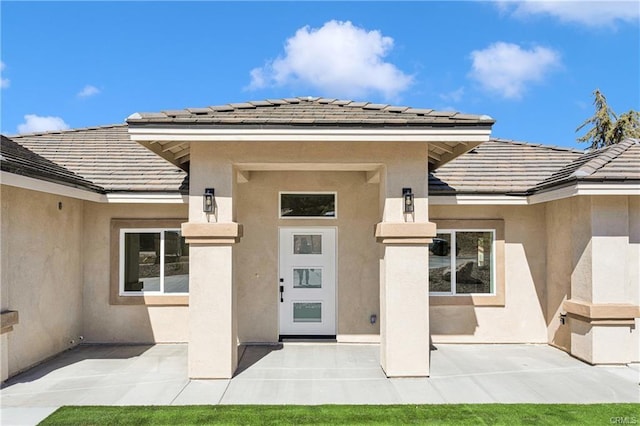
319 205
153 261
462 262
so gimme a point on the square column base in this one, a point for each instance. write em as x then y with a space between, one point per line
404 304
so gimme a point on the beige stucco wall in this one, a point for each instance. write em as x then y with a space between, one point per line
343 167
257 254
593 258
41 275
634 266
104 322
522 318
559 254
403 164
4 287
224 166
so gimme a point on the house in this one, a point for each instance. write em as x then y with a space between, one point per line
310 217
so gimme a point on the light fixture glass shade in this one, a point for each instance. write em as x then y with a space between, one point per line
408 200
208 200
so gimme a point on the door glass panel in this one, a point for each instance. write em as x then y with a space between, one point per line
307 244
307 277
307 312
440 264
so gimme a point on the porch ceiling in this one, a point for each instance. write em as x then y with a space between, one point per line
176 152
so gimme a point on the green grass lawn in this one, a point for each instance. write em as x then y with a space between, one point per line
462 414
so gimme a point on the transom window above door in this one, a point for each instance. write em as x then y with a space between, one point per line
308 205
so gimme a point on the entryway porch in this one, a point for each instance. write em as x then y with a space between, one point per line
312 373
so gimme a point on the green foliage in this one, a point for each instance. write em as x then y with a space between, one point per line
458 414
608 128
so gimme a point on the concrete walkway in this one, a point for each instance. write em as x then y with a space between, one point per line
303 373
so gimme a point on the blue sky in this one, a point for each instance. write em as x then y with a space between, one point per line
530 65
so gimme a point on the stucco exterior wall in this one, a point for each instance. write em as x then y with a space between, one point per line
41 275
4 286
522 319
593 260
634 266
107 323
257 254
559 253
604 280
402 164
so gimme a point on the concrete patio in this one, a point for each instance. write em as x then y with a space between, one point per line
312 373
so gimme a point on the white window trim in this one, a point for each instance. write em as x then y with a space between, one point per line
335 205
452 250
161 231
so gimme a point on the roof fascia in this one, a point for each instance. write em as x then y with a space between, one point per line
586 188
573 190
479 199
39 185
32 184
450 134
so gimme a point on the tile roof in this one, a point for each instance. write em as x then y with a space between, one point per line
106 157
311 111
615 162
500 166
19 160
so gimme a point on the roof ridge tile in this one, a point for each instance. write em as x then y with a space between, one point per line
605 156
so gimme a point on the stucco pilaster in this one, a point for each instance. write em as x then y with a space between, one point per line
404 302
404 272
213 337
212 313
600 314
4 358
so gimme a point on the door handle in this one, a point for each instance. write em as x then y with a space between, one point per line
281 290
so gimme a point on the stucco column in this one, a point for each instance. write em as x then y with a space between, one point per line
603 308
213 336
404 298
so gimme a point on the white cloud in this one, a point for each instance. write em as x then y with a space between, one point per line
454 95
87 91
4 82
588 12
35 123
338 59
507 69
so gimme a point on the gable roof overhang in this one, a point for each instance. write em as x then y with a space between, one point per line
170 133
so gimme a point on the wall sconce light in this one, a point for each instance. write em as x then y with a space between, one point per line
208 200
407 195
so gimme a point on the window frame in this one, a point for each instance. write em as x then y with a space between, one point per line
161 231
156 299
335 205
452 266
497 299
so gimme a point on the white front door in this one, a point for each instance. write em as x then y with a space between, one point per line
307 287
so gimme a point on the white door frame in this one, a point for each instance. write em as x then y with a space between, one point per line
326 263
